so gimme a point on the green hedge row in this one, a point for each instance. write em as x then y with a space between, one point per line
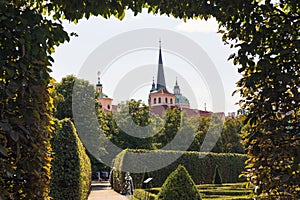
236 191
200 165
71 167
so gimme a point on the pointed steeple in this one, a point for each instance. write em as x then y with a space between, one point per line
161 83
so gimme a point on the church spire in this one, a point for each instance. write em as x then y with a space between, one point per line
161 83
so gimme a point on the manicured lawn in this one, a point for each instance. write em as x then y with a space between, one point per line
236 191
225 191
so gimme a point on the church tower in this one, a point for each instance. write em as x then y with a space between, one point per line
176 88
99 85
103 100
180 100
160 96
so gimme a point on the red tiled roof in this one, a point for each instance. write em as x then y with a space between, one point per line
159 109
114 107
190 112
161 91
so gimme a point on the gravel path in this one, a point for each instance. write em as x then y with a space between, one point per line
106 194
103 191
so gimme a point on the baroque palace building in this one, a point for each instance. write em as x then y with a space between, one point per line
159 97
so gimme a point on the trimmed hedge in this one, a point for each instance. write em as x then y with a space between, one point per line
200 165
117 181
236 191
217 177
179 185
71 167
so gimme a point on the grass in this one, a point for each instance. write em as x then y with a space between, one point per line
225 191
232 191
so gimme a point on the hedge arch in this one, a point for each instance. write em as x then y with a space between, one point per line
265 34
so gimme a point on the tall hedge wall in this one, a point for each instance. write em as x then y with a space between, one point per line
71 167
200 165
117 175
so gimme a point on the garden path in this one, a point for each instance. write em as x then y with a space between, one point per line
102 191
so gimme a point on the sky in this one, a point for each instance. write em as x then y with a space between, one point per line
193 52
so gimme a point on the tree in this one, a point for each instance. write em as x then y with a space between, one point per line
64 105
63 98
179 185
202 127
267 38
172 124
231 136
131 127
208 136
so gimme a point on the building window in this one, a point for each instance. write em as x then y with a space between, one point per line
171 101
108 107
166 100
159 100
154 100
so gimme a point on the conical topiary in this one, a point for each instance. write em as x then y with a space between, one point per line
179 186
217 177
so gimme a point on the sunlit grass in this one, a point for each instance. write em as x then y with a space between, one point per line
234 191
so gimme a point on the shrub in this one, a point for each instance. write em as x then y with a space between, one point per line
179 185
217 176
71 168
117 175
26 42
200 165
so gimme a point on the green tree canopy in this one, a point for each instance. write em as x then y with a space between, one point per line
131 126
63 97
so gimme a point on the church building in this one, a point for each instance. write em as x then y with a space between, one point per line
104 101
160 96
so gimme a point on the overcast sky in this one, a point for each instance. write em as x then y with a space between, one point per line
142 63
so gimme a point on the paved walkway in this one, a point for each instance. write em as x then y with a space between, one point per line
102 191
